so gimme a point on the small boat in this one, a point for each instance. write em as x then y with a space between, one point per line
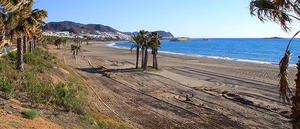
205 39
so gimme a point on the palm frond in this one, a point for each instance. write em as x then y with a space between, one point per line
284 89
279 11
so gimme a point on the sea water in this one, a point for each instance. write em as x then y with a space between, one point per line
257 50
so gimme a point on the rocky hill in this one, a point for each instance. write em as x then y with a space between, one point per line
73 27
77 28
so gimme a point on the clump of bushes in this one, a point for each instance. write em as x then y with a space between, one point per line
65 96
30 114
31 85
12 55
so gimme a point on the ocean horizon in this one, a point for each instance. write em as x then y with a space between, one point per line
255 50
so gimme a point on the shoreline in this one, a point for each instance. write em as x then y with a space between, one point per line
203 56
159 97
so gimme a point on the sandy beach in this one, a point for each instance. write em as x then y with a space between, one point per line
223 93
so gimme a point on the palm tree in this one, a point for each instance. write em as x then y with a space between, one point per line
35 19
20 30
137 39
36 36
8 7
18 26
58 42
22 23
155 44
144 39
282 12
87 40
34 22
75 49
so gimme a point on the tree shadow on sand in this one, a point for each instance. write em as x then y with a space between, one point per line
102 70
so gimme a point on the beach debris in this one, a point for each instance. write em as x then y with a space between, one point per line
14 107
237 98
188 98
9 112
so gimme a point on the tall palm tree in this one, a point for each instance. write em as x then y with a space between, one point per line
17 27
137 39
23 22
35 20
282 12
20 30
155 44
144 39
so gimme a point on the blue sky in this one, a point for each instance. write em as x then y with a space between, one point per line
192 18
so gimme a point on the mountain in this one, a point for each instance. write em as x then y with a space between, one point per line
77 27
167 35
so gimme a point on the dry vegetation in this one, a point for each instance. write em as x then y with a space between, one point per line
50 88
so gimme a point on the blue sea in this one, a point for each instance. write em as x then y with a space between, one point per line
257 50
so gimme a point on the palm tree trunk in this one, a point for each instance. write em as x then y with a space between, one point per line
34 43
2 31
153 55
146 59
143 50
25 44
30 46
2 37
155 58
137 57
20 54
296 101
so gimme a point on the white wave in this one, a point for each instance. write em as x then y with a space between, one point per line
114 46
217 57
111 45
175 53
253 61
212 57
292 65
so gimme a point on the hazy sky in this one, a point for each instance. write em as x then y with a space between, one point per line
192 18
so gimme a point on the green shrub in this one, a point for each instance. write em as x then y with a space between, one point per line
39 91
12 55
6 86
28 58
67 99
1 67
30 114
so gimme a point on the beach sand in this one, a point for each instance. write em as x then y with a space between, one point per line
223 93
